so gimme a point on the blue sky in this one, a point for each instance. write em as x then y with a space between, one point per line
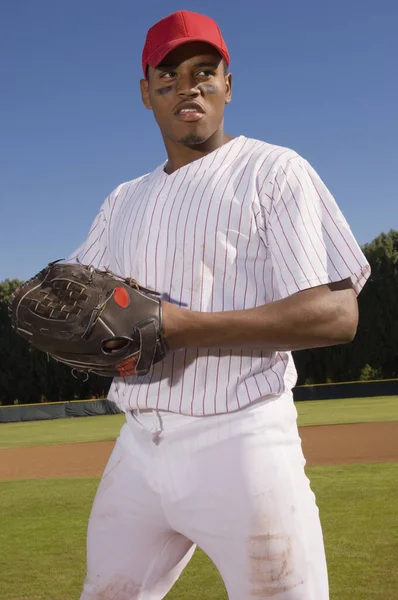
319 77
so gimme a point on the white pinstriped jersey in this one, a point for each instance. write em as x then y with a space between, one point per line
247 224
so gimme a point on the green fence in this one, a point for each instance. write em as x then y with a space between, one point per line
57 410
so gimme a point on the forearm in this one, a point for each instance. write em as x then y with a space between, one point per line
322 316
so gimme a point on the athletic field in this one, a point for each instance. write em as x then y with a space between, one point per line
49 472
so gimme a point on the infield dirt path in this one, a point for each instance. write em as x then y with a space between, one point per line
322 444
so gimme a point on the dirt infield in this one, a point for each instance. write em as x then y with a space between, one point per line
323 445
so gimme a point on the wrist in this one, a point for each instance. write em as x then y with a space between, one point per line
180 326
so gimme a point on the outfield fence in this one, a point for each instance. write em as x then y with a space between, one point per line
57 410
89 408
349 389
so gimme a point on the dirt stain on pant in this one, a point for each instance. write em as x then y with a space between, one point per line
270 565
118 589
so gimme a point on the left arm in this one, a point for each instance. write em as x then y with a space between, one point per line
325 315
319 270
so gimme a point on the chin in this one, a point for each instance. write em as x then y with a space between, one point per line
193 139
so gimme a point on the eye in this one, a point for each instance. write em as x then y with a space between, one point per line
205 73
167 74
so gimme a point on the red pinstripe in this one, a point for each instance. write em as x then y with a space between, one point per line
207 220
96 242
285 260
324 227
334 222
161 219
295 231
150 227
303 220
243 225
185 229
228 226
194 245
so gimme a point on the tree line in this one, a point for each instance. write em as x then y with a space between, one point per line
28 376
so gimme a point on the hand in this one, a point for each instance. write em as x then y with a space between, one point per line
173 318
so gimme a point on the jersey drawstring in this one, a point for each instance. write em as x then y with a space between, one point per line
157 427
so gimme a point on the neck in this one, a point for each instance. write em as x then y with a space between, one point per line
179 155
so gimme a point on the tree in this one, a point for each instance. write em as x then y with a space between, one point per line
11 349
377 338
376 342
27 374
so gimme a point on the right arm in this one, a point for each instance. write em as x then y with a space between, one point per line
94 250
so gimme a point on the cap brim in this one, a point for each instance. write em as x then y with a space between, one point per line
156 57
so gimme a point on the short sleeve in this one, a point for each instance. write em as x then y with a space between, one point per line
94 250
309 239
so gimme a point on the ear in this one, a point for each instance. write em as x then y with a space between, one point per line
144 85
228 88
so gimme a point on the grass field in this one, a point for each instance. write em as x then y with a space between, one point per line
44 523
92 429
353 410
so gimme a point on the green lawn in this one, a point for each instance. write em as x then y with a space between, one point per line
60 431
91 429
42 537
352 410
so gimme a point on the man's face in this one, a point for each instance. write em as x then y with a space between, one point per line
187 93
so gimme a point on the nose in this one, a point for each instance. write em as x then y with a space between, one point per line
187 86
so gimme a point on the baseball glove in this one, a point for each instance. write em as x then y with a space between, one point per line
92 320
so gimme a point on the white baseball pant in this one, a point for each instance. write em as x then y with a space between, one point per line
233 484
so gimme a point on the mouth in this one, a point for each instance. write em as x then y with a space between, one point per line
189 112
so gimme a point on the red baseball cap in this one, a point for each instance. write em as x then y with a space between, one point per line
180 28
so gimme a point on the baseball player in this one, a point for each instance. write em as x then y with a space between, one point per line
253 259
